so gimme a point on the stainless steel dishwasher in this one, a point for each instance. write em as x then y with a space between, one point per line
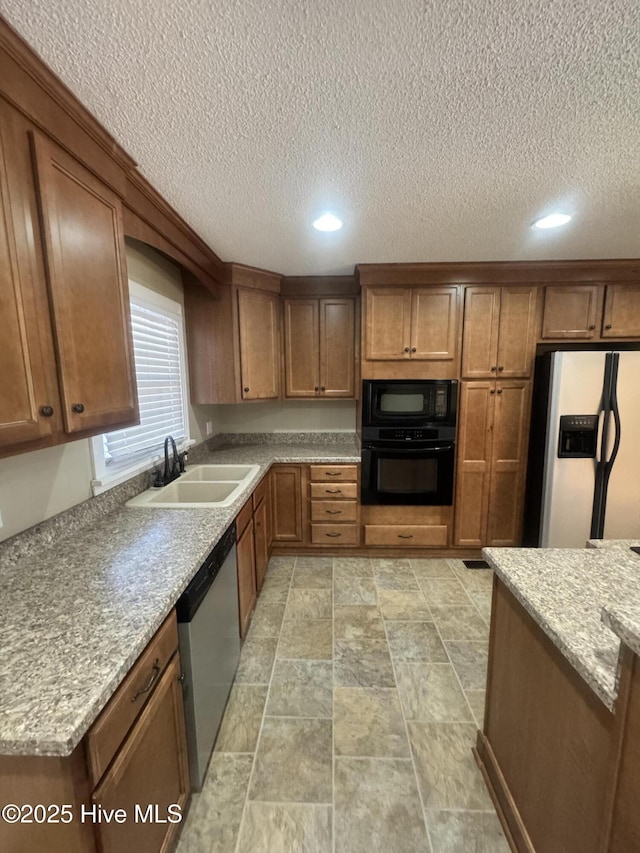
209 634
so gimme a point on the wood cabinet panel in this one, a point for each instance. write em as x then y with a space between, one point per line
434 323
246 576
261 533
286 497
86 270
301 347
337 347
571 311
480 332
517 331
625 819
621 311
335 535
244 517
387 323
260 492
408 535
334 510
336 491
474 454
333 473
151 768
508 462
259 344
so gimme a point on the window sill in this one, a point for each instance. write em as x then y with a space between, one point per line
123 473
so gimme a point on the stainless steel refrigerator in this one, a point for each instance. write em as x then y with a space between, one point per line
583 479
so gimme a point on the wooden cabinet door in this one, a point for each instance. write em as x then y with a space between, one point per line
268 503
516 344
508 462
260 534
571 311
480 332
246 577
27 381
434 323
151 768
387 332
474 457
259 344
301 347
621 311
286 495
85 259
337 348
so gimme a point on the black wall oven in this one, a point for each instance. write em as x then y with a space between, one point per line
408 441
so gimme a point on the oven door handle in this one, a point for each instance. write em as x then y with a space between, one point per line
412 450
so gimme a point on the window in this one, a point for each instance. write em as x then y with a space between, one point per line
158 345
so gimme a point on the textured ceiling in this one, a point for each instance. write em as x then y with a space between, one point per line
437 130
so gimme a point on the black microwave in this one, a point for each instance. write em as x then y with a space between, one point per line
409 402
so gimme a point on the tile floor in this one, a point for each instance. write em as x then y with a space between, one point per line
356 704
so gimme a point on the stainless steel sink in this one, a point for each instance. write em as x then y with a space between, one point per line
199 486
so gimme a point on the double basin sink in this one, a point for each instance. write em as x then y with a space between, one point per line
199 486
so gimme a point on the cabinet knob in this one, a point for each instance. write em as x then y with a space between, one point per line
413 349
493 391
499 391
78 408
316 388
406 349
245 390
493 367
608 326
322 388
593 325
46 411
501 367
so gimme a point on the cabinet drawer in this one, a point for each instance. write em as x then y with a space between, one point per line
259 493
334 511
244 517
410 535
334 491
334 534
333 473
107 733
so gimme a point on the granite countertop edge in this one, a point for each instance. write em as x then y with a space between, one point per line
63 722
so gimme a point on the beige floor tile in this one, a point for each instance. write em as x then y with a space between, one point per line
445 592
286 828
256 660
476 698
354 591
275 590
242 718
214 817
404 604
352 621
398 563
309 604
448 775
480 580
368 721
310 639
482 601
430 692
314 562
267 619
415 641
392 578
362 663
431 568
301 688
352 567
470 662
281 563
293 761
312 578
459 623
377 807
466 832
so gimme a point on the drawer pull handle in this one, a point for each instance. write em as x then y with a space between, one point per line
333 473
333 511
333 491
405 535
155 672
333 535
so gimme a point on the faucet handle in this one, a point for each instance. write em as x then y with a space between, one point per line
182 458
156 479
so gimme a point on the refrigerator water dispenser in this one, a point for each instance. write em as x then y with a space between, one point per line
578 436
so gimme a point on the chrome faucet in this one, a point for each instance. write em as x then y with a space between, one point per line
171 471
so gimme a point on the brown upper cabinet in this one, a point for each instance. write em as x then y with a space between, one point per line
66 350
591 311
319 347
411 323
233 337
498 332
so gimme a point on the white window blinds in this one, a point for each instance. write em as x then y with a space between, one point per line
157 345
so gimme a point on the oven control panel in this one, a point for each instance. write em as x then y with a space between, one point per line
408 434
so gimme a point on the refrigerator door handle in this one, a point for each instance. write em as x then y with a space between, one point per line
616 420
603 468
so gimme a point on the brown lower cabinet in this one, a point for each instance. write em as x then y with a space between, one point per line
246 556
286 496
492 462
254 536
135 754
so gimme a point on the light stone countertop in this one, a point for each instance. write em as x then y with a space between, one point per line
568 591
75 616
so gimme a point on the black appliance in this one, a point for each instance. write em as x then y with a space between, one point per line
408 441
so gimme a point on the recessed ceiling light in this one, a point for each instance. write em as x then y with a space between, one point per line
554 220
328 222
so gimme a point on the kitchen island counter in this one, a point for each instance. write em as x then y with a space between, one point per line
75 614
